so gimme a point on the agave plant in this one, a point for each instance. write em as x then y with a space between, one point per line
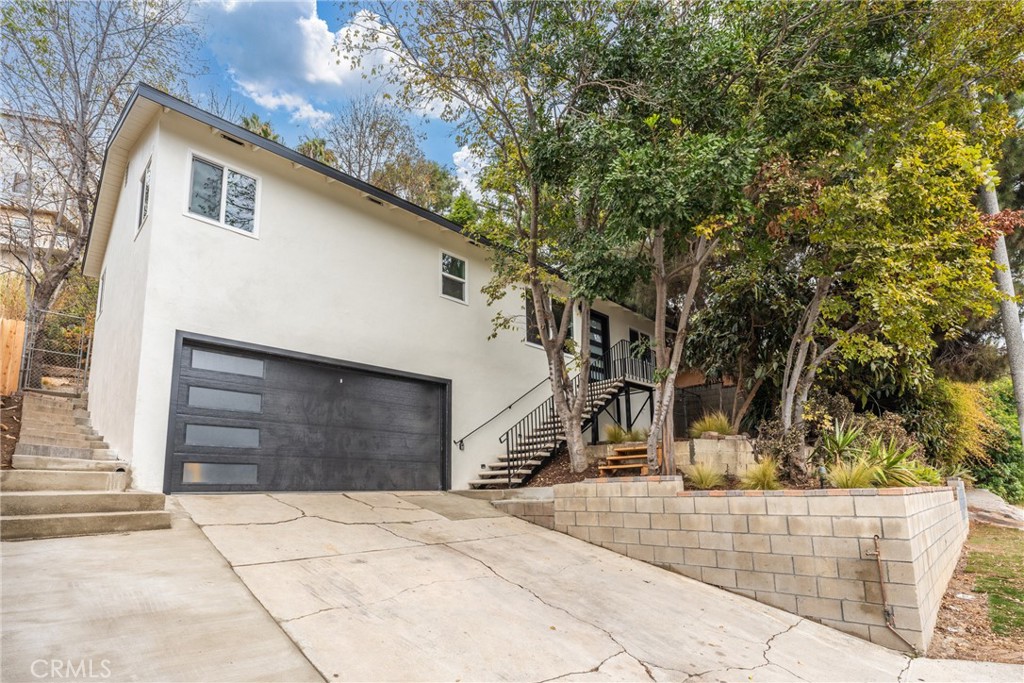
841 443
894 466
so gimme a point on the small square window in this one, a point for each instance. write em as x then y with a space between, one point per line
20 184
453 277
223 195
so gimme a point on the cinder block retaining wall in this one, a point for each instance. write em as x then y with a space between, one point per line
540 512
807 552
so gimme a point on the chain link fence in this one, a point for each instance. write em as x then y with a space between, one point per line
56 355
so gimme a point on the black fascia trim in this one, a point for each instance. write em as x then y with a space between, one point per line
181 338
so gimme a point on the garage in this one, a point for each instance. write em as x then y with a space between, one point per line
248 418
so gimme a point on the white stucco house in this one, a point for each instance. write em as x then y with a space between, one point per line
266 322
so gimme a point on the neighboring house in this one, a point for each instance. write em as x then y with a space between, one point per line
31 196
266 322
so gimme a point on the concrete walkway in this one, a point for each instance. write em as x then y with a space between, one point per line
142 606
434 587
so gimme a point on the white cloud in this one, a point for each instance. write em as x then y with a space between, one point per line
299 107
468 167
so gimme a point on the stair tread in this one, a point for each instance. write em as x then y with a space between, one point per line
622 467
624 458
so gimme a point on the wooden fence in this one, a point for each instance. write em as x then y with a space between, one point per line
12 340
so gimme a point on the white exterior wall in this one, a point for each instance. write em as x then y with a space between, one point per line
330 274
117 341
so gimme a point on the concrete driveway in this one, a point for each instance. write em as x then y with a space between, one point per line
432 587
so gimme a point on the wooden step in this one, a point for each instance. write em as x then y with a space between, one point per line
610 468
622 459
630 450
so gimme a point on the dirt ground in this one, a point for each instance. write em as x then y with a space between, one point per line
557 471
10 428
963 629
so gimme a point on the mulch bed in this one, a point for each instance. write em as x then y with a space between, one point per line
557 471
10 428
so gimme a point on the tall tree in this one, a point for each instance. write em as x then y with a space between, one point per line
254 124
368 133
316 148
419 180
73 65
508 74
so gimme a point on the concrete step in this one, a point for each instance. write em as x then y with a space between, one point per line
56 422
522 464
78 502
35 401
32 414
24 527
62 480
64 451
45 462
76 442
61 431
500 483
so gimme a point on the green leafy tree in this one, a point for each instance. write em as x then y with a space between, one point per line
254 124
464 211
419 180
316 148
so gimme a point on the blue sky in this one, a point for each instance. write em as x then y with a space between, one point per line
275 59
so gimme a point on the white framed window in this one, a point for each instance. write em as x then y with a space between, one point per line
144 187
223 196
99 294
19 184
454 278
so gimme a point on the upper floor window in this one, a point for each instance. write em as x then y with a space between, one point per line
222 195
144 195
533 328
453 278
20 184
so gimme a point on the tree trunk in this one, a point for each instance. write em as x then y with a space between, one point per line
738 415
1008 312
664 389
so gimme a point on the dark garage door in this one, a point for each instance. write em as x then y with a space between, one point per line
255 421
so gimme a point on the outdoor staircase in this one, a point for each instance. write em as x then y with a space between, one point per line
67 481
628 459
540 438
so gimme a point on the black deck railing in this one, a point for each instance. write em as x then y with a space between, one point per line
537 434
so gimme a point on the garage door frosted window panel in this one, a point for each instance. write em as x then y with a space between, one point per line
221 399
224 362
223 195
212 473
453 277
221 437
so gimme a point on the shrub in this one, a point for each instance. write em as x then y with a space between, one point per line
959 471
894 466
1002 470
928 475
704 477
781 446
952 422
764 476
715 421
637 435
615 434
859 474
12 297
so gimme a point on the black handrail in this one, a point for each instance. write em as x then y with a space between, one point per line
537 433
460 442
